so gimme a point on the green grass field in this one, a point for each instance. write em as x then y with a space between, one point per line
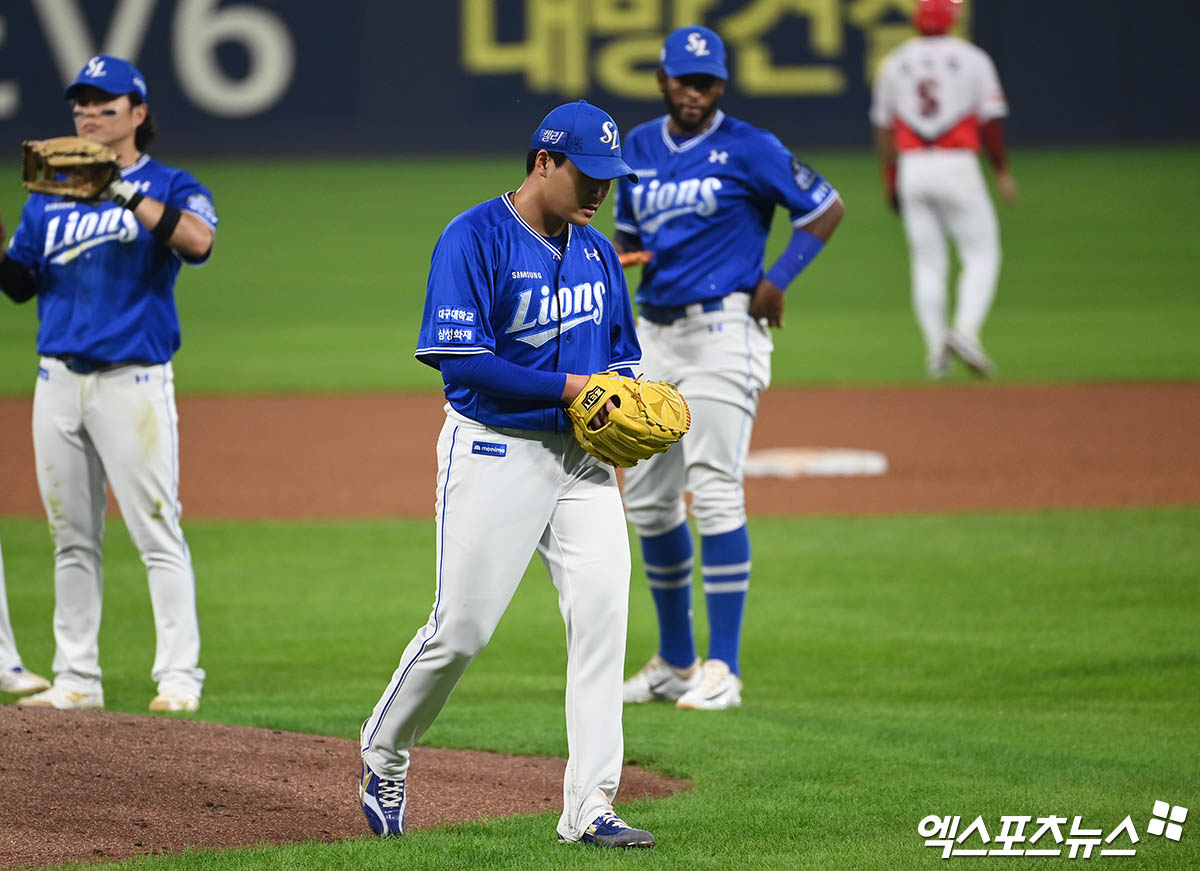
977 664
986 664
319 276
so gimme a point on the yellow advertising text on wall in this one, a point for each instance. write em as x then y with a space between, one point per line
571 47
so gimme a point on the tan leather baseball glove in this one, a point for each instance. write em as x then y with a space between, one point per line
650 417
68 166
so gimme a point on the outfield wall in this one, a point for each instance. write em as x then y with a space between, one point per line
475 75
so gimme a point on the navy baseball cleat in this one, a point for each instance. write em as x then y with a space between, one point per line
383 802
609 830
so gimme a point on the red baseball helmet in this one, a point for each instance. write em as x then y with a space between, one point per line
935 17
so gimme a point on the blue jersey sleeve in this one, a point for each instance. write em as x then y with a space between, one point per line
188 195
789 181
626 350
624 219
458 297
24 246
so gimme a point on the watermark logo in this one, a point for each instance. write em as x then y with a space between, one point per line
1048 836
1159 824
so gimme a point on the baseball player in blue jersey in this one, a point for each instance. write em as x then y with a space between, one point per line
524 301
104 275
707 188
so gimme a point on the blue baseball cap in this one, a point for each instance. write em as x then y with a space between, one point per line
112 74
588 136
691 50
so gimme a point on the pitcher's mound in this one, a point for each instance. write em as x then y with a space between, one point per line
92 785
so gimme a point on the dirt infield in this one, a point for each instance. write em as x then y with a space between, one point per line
949 447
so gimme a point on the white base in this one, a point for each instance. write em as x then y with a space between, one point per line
814 462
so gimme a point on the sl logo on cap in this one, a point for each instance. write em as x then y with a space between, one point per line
95 68
610 137
697 45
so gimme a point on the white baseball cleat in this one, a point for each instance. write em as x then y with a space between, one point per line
19 682
64 700
970 351
174 702
658 679
937 366
719 688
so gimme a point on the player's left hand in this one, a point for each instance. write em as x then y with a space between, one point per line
635 258
1007 186
767 302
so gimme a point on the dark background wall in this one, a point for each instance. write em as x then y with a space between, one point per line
260 77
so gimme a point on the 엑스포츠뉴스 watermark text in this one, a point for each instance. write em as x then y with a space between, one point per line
1048 836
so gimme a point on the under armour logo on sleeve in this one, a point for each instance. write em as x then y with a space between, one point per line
715 156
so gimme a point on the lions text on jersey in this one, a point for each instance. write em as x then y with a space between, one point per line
498 286
106 284
703 205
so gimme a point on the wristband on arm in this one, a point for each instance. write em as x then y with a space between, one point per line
165 228
800 252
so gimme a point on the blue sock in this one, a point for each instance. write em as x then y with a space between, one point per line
668 559
726 565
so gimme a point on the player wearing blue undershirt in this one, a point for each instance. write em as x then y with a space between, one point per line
524 301
699 216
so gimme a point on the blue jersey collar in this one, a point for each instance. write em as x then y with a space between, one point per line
136 165
553 249
687 144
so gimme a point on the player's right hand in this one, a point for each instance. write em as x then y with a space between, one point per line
635 258
767 304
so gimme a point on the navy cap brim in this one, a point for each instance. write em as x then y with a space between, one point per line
696 67
602 167
69 93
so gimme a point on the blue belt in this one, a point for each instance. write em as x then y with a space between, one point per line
668 314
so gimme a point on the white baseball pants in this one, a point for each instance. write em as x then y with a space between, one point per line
943 193
501 495
120 427
721 362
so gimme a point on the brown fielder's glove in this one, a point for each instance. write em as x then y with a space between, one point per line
87 167
650 417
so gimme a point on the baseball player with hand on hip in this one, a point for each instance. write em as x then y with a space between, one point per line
936 99
103 271
524 301
707 188
14 678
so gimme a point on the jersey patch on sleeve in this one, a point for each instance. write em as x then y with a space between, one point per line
202 207
455 325
804 174
456 314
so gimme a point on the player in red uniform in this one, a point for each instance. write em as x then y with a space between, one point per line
937 100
